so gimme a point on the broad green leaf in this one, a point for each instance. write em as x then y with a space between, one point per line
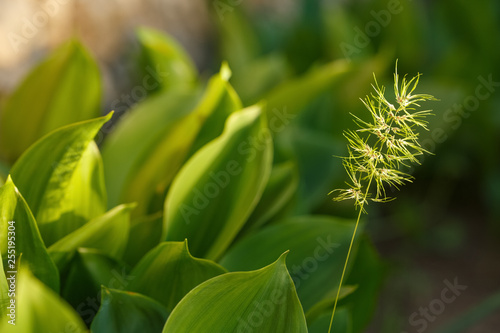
474 315
262 301
221 97
18 225
61 178
107 233
144 235
363 301
165 60
318 247
217 189
137 135
168 272
39 309
128 312
63 89
295 94
85 274
279 190
144 153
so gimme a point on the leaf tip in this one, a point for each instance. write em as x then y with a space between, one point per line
225 71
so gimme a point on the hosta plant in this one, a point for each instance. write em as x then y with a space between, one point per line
180 218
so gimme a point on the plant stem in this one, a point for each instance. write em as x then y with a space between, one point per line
349 253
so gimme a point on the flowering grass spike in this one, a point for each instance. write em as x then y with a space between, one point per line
381 146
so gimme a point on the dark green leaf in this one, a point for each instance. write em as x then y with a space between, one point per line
86 273
279 190
128 312
168 272
144 235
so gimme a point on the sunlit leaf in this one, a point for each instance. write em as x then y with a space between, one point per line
64 89
217 189
61 179
144 153
318 247
107 233
39 309
168 272
128 312
165 60
258 301
18 225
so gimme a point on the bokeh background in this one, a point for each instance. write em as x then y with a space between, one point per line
445 225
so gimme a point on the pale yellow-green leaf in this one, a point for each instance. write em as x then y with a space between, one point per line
261 301
217 189
39 309
20 238
61 178
63 89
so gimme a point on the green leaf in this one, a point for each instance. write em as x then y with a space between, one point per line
168 272
61 178
63 89
259 301
86 273
318 247
144 235
279 190
144 153
313 152
18 225
107 233
295 94
164 57
124 312
39 309
217 189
